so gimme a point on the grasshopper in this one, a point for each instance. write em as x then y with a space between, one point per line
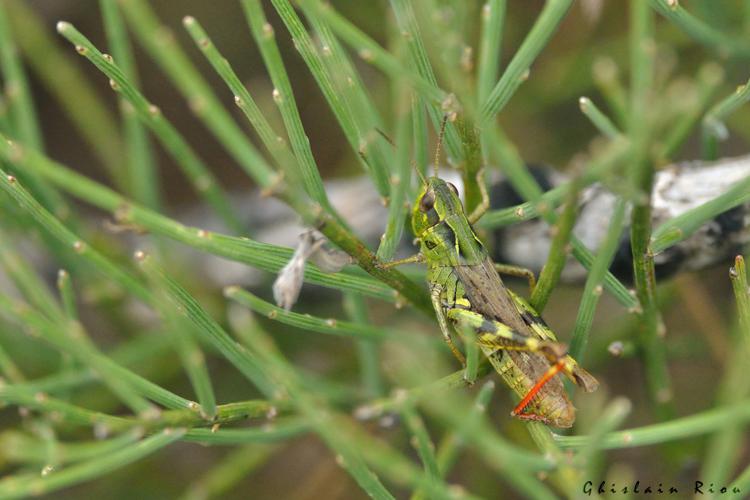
467 292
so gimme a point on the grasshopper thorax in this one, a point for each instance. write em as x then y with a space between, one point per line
439 223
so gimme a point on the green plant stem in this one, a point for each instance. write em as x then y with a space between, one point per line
21 486
721 43
678 428
601 121
724 448
713 128
310 323
17 90
559 250
142 169
546 24
651 328
682 226
140 349
607 81
351 85
24 395
60 75
71 339
28 204
22 117
738 275
9 369
338 432
18 447
407 25
593 289
709 80
197 172
67 294
160 43
525 184
507 459
282 430
422 442
400 179
490 45
206 327
450 447
264 256
274 143
599 167
350 123
71 414
472 172
611 418
26 280
372 52
182 334
304 163
368 351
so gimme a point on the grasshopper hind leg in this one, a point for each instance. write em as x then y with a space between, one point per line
494 335
518 411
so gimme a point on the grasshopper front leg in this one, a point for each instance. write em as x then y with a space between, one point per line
412 259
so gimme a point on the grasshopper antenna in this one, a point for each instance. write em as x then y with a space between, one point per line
386 137
413 163
436 166
419 173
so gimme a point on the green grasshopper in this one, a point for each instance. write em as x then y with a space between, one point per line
467 292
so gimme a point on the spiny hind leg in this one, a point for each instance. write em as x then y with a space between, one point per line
496 335
444 328
518 411
499 336
518 272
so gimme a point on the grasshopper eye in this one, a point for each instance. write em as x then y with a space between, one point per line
453 188
427 202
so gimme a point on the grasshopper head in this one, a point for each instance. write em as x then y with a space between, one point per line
440 225
435 202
